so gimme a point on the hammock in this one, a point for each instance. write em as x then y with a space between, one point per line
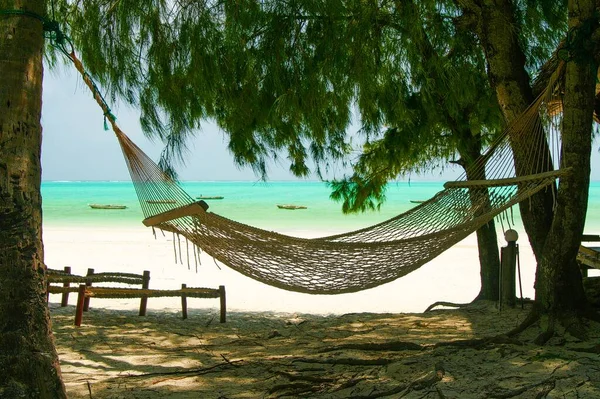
367 257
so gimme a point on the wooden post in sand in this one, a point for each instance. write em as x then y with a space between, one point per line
145 286
508 266
79 307
183 303
88 283
223 304
65 296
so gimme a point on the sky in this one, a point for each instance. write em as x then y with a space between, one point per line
76 147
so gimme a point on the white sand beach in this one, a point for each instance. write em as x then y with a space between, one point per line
277 344
453 276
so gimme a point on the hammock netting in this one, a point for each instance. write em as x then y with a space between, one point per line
371 256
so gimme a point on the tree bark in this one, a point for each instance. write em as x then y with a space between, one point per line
559 287
489 260
496 29
28 358
554 235
487 239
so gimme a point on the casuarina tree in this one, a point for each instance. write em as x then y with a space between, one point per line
28 360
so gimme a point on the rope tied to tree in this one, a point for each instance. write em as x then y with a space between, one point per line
62 42
50 26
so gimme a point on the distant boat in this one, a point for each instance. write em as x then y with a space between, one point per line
417 201
109 206
210 197
289 206
164 201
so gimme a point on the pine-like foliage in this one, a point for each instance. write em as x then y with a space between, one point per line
287 77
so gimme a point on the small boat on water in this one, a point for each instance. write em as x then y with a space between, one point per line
417 201
164 201
210 197
289 206
108 206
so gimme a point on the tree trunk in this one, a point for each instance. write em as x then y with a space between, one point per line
28 359
489 260
496 29
469 148
487 239
559 287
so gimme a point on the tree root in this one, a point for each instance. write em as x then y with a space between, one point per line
393 346
350 383
592 314
396 346
302 384
574 326
195 371
447 304
532 317
590 349
425 382
544 336
302 377
477 343
347 361
571 322
294 388
547 386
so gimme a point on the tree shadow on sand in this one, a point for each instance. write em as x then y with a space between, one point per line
439 354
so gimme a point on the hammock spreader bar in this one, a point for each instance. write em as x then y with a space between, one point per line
506 182
187 210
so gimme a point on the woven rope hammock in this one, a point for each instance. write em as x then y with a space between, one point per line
371 256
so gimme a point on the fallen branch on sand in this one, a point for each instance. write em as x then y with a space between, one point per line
383 346
195 371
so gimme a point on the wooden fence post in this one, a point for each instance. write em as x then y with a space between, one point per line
183 303
88 283
47 287
79 308
223 304
145 286
65 296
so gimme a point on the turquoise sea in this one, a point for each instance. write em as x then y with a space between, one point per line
66 203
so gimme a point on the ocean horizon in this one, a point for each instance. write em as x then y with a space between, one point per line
67 203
